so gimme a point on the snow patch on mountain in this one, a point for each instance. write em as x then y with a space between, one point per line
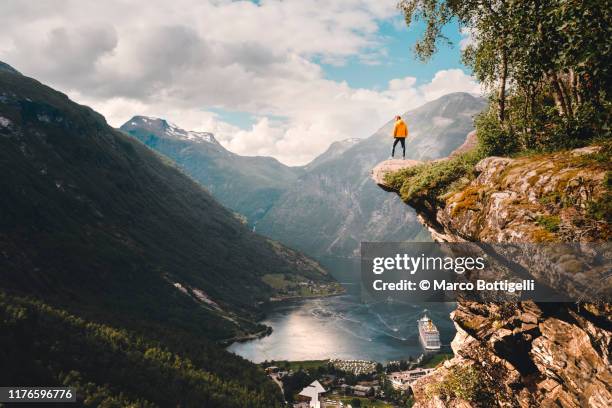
168 129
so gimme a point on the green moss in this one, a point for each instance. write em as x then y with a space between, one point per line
436 359
549 222
461 382
541 235
466 200
433 179
550 198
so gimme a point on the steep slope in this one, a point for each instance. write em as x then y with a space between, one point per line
333 151
335 205
102 238
247 185
523 354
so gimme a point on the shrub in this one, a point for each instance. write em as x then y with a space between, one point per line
493 139
462 382
549 222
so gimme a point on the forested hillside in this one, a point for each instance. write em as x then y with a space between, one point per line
249 185
117 269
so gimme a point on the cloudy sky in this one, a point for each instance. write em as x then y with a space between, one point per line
278 78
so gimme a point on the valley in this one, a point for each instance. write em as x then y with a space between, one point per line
109 253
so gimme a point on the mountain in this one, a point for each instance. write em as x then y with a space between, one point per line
7 68
333 151
247 185
119 272
334 206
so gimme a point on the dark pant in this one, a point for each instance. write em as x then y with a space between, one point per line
402 140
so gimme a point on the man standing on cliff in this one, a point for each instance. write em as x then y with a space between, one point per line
400 131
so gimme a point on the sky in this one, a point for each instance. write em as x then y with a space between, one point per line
274 78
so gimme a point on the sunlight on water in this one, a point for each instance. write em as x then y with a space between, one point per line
343 327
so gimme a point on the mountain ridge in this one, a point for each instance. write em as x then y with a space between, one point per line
301 209
248 185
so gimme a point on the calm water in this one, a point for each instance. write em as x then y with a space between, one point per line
344 327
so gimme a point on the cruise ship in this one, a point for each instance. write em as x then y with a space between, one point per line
429 334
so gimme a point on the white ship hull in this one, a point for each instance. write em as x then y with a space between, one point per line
428 334
426 347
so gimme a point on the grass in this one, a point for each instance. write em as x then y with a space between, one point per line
434 179
437 359
462 382
276 280
602 209
309 365
549 222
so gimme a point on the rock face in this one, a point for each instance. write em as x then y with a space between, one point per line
511 200
523 354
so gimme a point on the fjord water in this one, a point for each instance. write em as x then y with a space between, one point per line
344 327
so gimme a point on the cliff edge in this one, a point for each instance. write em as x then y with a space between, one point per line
519 354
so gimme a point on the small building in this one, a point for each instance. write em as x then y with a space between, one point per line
311 394
401 380
272 369
363 390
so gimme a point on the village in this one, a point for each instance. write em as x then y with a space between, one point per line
350 383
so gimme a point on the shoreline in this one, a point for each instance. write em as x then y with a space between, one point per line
277 300
268 329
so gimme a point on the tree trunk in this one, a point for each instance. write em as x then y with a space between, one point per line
574 86
575 80
502 86
557 93
567 97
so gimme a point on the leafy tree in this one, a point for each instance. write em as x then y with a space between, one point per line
545 64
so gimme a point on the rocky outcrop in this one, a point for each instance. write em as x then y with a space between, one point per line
532 199
522 354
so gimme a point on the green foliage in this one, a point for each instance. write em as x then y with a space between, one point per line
546 66
462 382
549 222
433 179
307 365
434 360
493 139
602 209
98 229
118 367
295 383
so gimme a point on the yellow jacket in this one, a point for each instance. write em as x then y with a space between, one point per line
400 129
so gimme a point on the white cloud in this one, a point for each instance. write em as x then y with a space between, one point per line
447 81
172 59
